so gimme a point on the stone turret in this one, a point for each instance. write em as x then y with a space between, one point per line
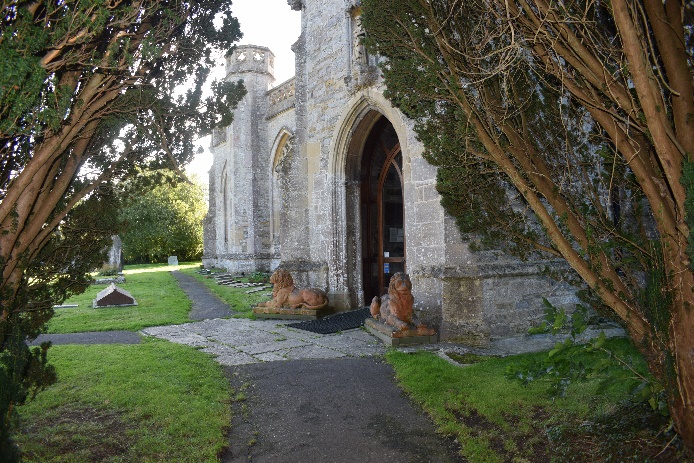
239 179
250 58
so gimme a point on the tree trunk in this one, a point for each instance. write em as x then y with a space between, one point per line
682 348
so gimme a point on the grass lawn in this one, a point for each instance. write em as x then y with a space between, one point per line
149 402
496 420
237 298
160 302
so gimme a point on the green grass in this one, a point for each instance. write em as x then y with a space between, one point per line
496 420
160 302
237 298
149 402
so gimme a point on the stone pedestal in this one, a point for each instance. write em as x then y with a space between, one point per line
291 314
397 338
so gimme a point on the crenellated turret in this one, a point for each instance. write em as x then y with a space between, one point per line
250 58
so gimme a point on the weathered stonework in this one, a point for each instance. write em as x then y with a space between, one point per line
288 184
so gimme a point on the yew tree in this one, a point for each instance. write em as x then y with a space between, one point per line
90 92
565 129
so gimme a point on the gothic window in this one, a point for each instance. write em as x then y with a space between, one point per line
225 205
279 179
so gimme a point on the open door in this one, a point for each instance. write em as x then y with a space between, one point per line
383 217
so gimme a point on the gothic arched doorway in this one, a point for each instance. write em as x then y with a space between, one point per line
382 211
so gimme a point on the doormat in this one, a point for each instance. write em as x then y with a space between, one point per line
334 323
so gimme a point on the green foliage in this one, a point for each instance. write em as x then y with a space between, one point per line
60 270
688 182
154 401
95 92
474 190
163 217
571 361
259 277
524 167
505 421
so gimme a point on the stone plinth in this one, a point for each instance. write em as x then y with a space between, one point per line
291 314
392 337
113 296
173 260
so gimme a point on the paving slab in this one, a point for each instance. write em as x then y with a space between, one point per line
240 341
264 347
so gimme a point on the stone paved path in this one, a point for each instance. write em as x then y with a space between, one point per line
240 341
311 397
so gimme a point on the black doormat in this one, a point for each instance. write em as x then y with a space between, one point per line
334 323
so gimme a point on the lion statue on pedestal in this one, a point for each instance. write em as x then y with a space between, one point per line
287 296
395 309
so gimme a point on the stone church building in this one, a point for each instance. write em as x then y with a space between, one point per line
322 176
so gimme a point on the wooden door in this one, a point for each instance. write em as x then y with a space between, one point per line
383 224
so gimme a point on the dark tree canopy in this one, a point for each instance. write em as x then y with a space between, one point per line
90 92
564 129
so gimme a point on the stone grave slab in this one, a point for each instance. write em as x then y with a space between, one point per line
113 296
173 260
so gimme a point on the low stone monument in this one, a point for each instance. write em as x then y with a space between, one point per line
290 302
394 320
173 260
113 296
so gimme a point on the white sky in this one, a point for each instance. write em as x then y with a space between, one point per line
266 23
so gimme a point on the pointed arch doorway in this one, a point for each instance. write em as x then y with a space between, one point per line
382 209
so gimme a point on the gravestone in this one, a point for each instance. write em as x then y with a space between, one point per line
173 260
114 263
113 296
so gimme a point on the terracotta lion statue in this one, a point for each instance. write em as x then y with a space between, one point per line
395 309
287 296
